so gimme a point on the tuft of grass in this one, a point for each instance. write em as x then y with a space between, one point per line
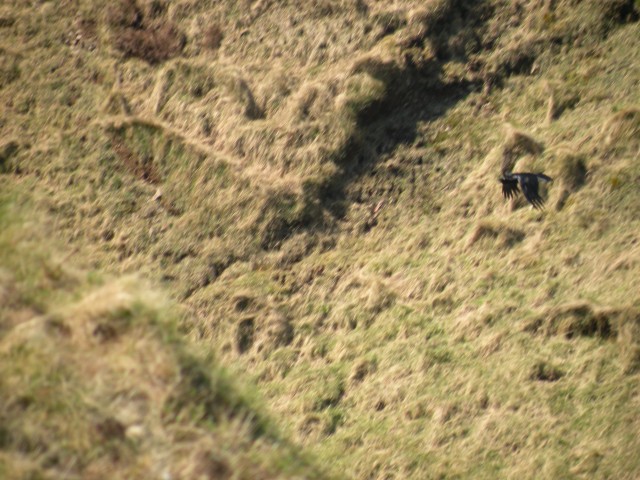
560 100
572 176
363 97
573 170
622 130
516 144
581 318
503 235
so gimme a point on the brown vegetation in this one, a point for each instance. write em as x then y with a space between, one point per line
145 33
316 184
213 36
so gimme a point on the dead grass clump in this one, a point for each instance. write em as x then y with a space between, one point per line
516 144
579 319
329 390
361 369
471 324
310 102
573 170
442 29
243 302
212 37
144 34
629 339
516 58
430 15
207 464
125 14
274 332
545 372
503 236
384 69
7 18
155 45
273 91
296 248
363 97
621 132
182 80
279 330
583 319
241 91
378 297
572 175
388 20
560 100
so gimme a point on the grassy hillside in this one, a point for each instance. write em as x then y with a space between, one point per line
97 380
315 183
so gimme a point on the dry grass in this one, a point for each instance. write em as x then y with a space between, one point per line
517 144
317 185
503 235
97 381
622 130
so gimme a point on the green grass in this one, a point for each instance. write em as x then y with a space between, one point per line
81 354
320 195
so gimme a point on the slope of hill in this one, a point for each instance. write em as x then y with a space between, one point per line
97 381
316 184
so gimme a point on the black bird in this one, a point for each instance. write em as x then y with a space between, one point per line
528 183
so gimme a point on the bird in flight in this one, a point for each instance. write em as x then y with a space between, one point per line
528 183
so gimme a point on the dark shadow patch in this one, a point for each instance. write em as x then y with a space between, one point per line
581 319
144 33
206 392
245 334
8 150
573 176
410 91
545 372
110 429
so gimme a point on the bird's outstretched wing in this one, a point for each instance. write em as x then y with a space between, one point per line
529 185
509 186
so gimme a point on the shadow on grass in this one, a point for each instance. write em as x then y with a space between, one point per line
418 92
